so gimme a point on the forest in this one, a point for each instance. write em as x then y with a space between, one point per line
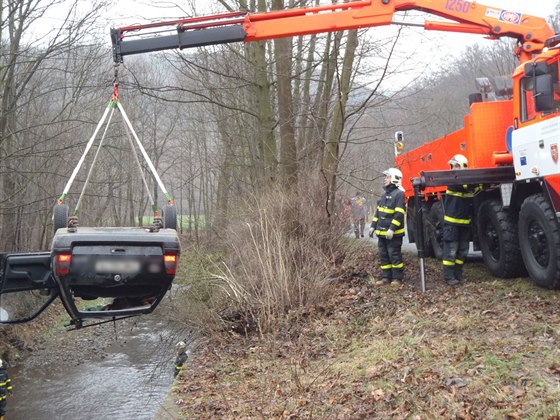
258 144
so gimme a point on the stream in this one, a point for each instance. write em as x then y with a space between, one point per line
115 371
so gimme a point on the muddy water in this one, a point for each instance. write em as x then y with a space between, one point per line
116 371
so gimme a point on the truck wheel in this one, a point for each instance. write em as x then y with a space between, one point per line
434 229
539 238
60 216
498 239
411 220
170 217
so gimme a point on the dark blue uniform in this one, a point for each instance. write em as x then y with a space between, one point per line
5 387
390 215
458 211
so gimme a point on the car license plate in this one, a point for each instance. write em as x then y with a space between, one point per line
117 266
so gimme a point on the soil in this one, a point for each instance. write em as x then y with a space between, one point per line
487 348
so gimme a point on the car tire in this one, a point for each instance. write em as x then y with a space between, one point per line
170 217
60 216
498 240
539 239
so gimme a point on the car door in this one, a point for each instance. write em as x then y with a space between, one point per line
27 286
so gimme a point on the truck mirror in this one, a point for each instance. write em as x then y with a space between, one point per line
544 93
536 69
475 98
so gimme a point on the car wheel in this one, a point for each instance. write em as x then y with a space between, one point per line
170 217
539 238
498 240
60 216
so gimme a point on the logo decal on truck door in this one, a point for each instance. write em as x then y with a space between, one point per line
554 152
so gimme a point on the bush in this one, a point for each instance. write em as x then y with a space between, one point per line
280 249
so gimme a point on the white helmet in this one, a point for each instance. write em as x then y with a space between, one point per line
396 176
1 364
181 346
458 160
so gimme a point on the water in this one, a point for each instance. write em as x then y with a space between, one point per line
129 379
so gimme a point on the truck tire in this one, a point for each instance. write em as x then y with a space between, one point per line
539 239
60 216
434 229
170 217
498 239
411 220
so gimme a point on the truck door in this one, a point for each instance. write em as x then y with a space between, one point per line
27 286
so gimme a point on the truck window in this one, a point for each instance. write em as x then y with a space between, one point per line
527 100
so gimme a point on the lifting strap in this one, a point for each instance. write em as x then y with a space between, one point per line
93 163
115 103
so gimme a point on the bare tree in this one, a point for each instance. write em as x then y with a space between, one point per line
23 64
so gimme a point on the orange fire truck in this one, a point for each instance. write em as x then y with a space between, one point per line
511 145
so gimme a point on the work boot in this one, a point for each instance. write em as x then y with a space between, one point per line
459 275
452 282
396 283
382 282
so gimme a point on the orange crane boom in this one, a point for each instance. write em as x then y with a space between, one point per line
464 16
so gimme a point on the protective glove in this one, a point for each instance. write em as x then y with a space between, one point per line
371 230
389 234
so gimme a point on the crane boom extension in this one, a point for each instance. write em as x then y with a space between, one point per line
465 16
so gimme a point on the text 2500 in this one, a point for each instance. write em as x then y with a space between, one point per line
462 6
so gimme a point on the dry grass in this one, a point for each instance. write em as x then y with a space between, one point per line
279 258
487 349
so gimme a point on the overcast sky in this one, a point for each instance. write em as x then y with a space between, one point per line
124 12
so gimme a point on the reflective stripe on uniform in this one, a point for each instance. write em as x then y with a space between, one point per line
457 221
384 232
400 210
385 210
386 267
448 263
375 219
401 265
460 262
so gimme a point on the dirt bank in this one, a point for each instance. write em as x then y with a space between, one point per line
485 349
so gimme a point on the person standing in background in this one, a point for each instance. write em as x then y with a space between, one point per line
359 213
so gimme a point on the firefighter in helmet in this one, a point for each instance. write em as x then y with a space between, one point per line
181 357
457 216
388 225
5 387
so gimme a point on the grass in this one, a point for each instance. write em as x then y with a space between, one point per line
485 349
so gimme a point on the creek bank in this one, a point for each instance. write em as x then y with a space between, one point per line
117 370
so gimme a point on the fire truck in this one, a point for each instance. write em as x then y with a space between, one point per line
511 144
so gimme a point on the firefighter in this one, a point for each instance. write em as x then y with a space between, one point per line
388 225
457 216
181 357
5 388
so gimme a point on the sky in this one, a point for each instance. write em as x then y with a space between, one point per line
429 47
124 12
